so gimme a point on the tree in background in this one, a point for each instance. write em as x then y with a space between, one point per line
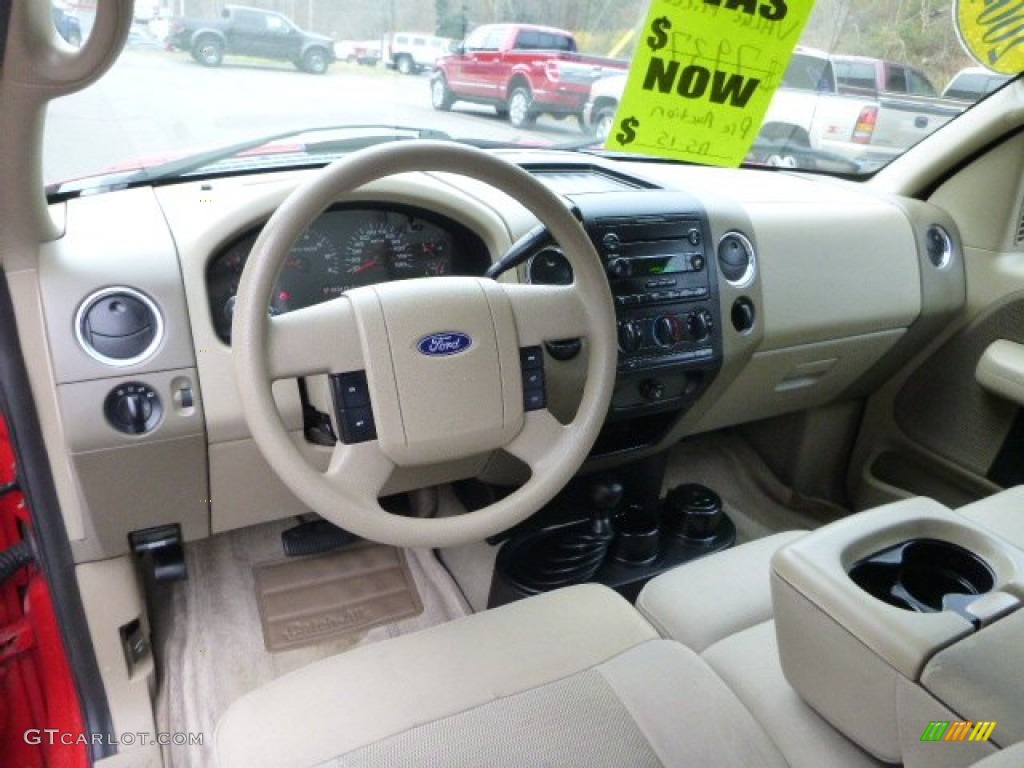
916 32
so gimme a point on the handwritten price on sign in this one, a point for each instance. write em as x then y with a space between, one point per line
699 88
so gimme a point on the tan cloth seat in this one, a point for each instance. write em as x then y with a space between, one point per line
721 608
577 677
572 678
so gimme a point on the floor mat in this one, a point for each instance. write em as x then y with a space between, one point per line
314 599
208 635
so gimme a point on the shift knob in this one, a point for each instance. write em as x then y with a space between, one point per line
606 496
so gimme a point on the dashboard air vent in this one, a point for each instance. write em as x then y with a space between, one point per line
939 246
119 326
736 259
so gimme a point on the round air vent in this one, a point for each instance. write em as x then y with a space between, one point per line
119 326
549 267
736 260
939 246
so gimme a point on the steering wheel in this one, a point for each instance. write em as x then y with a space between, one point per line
441 355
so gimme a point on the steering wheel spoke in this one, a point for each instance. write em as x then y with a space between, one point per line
541 436
547 312
316 339
361 470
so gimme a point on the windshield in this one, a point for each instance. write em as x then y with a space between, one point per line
251 83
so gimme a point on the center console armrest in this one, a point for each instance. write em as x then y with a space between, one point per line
863 604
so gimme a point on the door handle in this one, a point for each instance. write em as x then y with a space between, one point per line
1001 370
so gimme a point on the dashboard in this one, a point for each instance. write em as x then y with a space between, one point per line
730 309
348 247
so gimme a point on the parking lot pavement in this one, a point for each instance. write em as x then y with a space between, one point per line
129 114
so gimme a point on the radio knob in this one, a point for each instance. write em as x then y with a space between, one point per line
619 267
630 338
699 325
668 331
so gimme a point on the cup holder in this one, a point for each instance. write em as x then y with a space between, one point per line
638 533
924 575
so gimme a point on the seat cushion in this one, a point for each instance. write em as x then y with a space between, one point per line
721 607
348 701
748 662
572 678
709 599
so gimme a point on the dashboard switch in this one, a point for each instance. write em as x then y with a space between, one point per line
133 408
652 390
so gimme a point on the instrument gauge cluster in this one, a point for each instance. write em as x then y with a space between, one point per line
348 247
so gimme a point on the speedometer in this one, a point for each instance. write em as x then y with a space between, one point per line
376 252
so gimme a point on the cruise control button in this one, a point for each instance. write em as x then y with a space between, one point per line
357 425
352 389
531 357
534 399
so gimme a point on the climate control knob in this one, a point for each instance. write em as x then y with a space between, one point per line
699 325
668 331
630 337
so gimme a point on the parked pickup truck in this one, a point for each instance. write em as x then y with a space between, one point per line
522 69
812 111
251 32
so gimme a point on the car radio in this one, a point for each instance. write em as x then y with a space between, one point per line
665 298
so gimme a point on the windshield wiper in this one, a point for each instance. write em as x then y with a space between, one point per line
207 161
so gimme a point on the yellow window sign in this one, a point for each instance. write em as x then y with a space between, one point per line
702 78
992 31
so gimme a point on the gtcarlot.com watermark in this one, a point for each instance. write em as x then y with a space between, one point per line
55 736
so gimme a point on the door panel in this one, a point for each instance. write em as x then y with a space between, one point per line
933 427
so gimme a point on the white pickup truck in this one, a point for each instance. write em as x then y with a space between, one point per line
812 116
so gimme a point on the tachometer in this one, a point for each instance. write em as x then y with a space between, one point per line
310 274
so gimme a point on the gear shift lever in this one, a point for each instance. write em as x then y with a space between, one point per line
570 554
605 497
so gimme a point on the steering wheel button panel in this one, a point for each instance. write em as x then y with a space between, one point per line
352 404
534 394
351 390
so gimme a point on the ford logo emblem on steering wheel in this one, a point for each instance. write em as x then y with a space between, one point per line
444 344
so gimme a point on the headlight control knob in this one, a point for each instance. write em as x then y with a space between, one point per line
133 408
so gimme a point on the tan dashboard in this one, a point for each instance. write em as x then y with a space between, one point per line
835 287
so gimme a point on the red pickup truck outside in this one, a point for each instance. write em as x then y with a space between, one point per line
523 70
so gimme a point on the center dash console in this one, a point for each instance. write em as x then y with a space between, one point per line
661 271
902 619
